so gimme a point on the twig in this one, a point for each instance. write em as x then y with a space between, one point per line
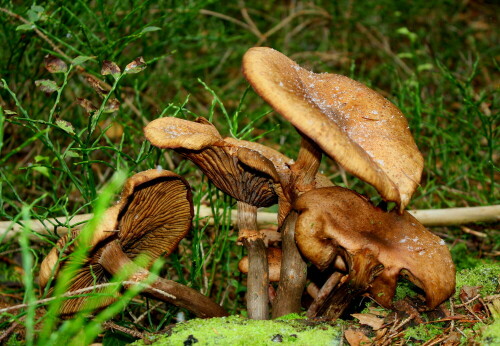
430 217
230 19
73 294
8 331
109 325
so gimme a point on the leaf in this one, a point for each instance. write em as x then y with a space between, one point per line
54 64
34 13
46 85
9 112
109 67
87 105
71 153
25 27
40 158
136 66
66 126
370 320
81 59
356 337
112 106
149 29
41 169
96 85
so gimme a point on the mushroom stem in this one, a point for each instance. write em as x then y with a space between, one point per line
293 272
113 259
306 166
258 271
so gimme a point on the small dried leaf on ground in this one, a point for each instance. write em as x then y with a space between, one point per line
468 293
356 337
370 320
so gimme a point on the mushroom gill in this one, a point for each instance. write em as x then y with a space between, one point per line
153 214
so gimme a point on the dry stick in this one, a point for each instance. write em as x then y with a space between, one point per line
429 217
258 269
323 293
113 259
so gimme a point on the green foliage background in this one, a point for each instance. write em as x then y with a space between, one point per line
438 61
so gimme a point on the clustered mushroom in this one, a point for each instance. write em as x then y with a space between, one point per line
363 132
333 228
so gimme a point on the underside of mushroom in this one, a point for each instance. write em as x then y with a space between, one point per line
377 246
153 214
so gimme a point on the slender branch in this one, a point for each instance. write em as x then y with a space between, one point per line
428 217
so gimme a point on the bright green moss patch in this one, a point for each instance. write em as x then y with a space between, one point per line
235 330
485 275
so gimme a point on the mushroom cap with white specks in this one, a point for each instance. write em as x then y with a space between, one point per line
351 123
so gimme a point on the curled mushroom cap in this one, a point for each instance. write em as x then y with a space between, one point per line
153 214
336 221
353 124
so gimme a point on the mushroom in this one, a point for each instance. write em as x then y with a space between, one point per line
353 124
376 245
273 255
153 214
251 173
274 262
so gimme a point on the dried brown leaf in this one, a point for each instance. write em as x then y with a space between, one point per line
136 66
54 64
109 67
370 320
87 105
112 106
355 337
96 85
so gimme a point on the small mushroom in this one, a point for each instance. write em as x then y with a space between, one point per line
251 173
351 123
153 214
273 259
376 245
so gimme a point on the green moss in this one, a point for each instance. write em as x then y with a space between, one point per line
423 332
485 275
491 333
235 330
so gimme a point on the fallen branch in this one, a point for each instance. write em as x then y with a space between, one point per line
429 217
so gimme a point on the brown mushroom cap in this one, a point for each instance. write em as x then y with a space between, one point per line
273 260
234 166
153 214
335 221
353 124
